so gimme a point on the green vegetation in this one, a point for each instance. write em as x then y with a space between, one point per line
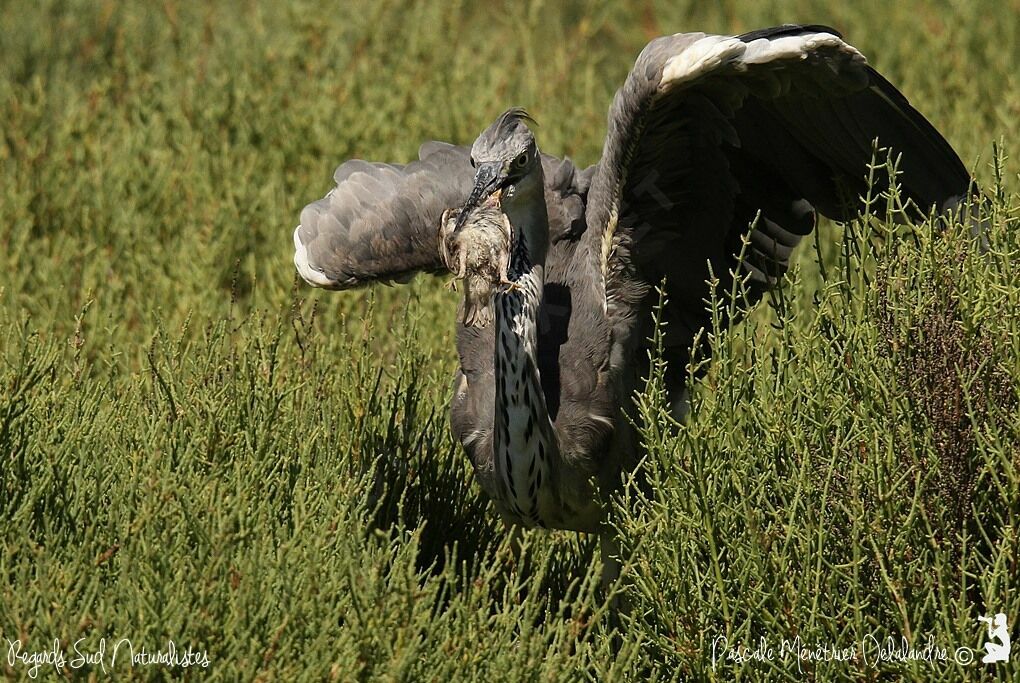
196 447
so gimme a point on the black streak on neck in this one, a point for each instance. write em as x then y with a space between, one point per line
520 259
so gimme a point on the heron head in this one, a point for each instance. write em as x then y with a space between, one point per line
504 155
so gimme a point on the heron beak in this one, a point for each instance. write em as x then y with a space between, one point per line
489 177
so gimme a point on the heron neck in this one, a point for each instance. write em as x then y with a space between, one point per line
524 438
525 208
517 309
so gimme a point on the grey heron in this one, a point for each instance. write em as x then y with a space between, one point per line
715 145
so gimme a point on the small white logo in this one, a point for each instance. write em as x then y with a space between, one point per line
998 629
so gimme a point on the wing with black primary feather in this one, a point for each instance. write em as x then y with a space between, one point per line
715 137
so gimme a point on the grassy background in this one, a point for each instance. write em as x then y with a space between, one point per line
194 446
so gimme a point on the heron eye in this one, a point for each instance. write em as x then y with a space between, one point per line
521 161
472 162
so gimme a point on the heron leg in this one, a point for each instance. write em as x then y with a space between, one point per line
515 534
680 403
609 550
624 449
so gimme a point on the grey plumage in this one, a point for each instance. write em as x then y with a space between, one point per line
380 221
711 140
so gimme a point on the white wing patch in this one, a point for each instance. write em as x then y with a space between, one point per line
711 52
703 56
763 50
308 272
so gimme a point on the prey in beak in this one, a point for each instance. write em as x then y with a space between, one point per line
490 179
475 246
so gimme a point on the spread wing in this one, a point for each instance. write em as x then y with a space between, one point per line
381 221
710 132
